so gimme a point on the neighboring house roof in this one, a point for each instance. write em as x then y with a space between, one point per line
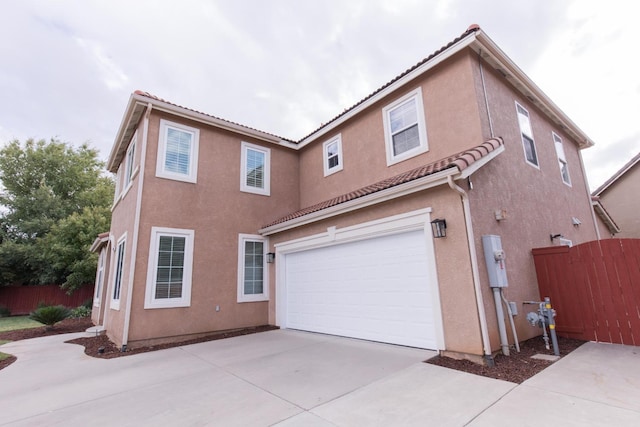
466 161
599 209
473 38
623 170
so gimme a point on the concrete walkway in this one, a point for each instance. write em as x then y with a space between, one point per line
289 378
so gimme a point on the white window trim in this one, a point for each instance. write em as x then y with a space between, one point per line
266 191
325 155
192 176
264 296
561 159
129 171
152 269
122 241
99 287
116 190
533 141
392 159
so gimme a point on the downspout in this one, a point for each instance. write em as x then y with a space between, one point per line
136 226
484 90
586 183
474 270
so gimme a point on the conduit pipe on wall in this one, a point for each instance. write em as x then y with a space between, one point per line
513 325
486 345
504 341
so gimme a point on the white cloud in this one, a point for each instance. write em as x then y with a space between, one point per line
286 66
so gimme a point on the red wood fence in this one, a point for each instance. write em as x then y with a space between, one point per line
595 289
24 299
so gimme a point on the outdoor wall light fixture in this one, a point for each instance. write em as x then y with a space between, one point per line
555 236
439 228
271 257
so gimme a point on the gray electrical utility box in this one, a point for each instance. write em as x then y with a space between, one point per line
494 256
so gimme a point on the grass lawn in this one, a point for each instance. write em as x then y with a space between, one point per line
4 355
17 322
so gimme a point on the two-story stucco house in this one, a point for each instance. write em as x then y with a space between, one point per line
218 226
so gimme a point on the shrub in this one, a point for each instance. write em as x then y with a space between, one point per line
80 311
4 311
88 303
50 315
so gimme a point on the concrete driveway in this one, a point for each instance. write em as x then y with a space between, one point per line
289 378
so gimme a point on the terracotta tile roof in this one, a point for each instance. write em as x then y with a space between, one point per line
157 98
460 160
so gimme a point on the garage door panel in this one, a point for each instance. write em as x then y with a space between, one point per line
375 289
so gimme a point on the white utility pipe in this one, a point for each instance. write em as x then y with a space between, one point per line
486 344
504 342
513 326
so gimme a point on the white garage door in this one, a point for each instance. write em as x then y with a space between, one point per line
375 289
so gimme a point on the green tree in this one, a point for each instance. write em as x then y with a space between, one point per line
54 197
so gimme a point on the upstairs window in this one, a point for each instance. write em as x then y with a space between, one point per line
177 152
129 169
169 268
256 165
562 159
528 144
405 130
252 280
332 152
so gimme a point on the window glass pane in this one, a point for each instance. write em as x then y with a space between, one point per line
119 265
170 270
253 267
178 151
530 150
255 168
333 161
523 121
564 170
403 116
406 140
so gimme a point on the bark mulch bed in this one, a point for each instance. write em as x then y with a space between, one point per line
515 368
109 349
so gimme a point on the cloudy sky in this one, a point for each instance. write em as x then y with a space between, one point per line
67 67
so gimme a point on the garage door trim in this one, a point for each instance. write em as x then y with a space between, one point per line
410 221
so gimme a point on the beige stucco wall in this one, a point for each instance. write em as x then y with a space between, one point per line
536 200
458 304
217 211
622 201
452 123
122 223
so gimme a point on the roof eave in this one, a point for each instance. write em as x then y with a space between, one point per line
404 80
138 103
130 120
99 242
493 55
600 210
623 170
